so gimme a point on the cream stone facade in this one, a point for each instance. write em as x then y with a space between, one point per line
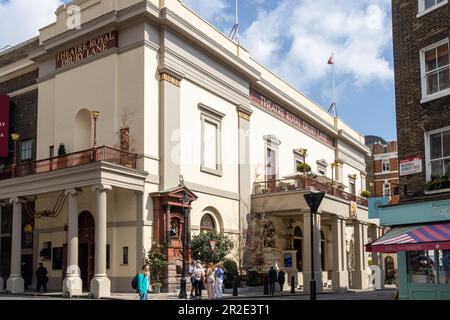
197 106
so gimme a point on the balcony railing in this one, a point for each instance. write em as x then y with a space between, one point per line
70 160
302 183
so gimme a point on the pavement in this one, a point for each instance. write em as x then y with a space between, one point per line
385 294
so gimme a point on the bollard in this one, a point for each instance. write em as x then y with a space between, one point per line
235 287
292 284
266 285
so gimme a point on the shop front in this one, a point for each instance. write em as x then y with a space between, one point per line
423 252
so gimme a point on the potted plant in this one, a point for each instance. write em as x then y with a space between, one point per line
366 194
304 167
157 262
157 287
62 159
437 183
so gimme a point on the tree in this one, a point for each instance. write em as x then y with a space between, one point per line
201 247
157 262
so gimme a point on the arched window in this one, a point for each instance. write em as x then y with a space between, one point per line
207 224
298 232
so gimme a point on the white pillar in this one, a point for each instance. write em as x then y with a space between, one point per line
100 284
360 275
307 253
340 274
72 284
15 282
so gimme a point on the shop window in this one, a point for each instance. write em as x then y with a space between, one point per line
421 266
444 266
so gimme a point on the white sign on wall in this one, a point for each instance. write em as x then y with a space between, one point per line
410 166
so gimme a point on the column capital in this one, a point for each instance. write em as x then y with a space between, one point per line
73 192
101 187
3 203
15 200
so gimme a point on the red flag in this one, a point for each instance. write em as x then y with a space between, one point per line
331 60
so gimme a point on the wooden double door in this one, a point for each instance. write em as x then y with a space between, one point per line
86 249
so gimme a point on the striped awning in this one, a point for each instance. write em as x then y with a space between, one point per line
434 236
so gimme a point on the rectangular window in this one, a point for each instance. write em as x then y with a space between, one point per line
125 255
429 5
386 166
435 70
439 153
351 185
211 142
271 163
444 266
26 149
322 170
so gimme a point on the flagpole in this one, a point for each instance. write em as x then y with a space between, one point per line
334 89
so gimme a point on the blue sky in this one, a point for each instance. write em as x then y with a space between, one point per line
293 38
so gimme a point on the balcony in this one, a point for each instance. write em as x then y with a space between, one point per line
75 159
302 183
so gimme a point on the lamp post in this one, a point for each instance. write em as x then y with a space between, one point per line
313 200
186 243
15 137
303 154
95 115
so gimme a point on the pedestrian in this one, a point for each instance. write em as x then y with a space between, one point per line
210 282
199 275
41 278
281 279
219 274
272 280
191 272
143 281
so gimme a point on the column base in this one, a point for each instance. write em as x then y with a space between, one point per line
15 284
340 280
317 277
72 286
360 280
100 287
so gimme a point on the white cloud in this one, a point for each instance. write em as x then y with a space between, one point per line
297 38
215 11
21 19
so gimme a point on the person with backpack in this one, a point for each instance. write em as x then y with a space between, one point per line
140 282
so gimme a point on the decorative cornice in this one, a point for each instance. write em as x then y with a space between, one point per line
170 75
216 114
244 112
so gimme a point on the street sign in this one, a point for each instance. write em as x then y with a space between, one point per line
212 243
411 166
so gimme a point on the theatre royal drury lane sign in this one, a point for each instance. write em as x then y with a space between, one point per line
87 49
297 122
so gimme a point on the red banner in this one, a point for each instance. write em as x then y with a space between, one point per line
4 125
444 245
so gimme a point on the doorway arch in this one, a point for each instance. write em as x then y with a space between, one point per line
82 133
86 247
298 239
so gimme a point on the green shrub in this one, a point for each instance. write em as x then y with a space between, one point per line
253 278
303 167
231 271
366 194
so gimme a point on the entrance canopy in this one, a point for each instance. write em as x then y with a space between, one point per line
432 236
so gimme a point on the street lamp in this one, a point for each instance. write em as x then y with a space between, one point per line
313 199
95 115
185 200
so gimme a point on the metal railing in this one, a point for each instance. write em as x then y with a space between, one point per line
70 160
302 183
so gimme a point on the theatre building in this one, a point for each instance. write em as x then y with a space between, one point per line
146 102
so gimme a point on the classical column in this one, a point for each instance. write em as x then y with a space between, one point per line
15 283
360 275
100 284
72 284
339 274
307 252
143 236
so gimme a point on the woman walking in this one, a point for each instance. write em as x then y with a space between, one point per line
219 273
143 281
210 282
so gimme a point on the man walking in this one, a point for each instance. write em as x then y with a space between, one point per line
41 278
281 280
272 280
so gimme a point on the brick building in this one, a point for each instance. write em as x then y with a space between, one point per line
420 222
382 170
18 81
